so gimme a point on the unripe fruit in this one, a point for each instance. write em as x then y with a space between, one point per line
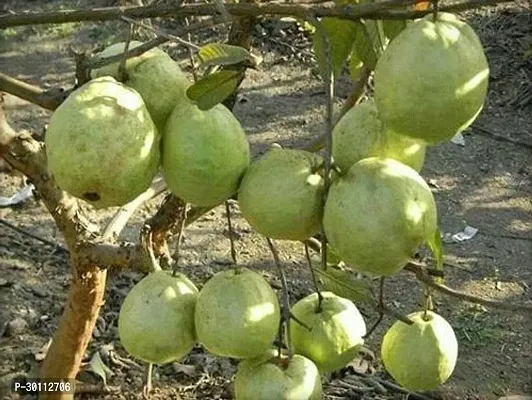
421 356
156 321
102 145
237 314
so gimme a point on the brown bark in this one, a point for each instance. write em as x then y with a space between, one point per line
72 337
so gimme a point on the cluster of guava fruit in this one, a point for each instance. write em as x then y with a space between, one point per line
107 141
237 314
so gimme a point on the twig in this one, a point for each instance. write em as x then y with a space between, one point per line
230 229
286 316
380 307
377 10
162 33
122 73
482 130
181 221
423 276
313 273
354 97
122 216
191 54
33 236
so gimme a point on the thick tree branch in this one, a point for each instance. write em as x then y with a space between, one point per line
49 100
378 10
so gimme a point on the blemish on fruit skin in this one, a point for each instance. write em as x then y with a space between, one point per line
91 196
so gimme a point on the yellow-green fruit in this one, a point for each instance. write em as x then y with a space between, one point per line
378 214
432 80
156 321
335 334
281 194
237 314
102 145
155 75
271 377
420 356
204 154
361 134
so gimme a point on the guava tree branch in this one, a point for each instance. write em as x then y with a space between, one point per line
377 10
48 99
422 275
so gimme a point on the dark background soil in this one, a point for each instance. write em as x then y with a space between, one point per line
485 184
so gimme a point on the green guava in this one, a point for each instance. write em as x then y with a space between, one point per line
271 377
156 320
204 154
155 75
378 214
361 134
281 193
335 334
421 356
432 80
102 145
237 314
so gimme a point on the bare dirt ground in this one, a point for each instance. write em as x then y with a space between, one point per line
485 184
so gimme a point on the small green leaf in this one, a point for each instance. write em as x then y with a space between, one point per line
222 54
341 34
332 257
343 283
355 64
214 88
97 366
436 247
392 27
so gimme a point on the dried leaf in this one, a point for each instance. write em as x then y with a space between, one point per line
422 5
214 88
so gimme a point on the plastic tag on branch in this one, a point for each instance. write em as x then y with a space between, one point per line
341 35
21 196
458 139
214 88
224 54
468 233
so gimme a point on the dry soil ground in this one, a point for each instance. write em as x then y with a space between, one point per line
485 184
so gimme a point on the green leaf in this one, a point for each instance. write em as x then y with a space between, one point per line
332 257
392 28
97 366
341 34
343 283
369 42
222 54
214 88
355 64
436 247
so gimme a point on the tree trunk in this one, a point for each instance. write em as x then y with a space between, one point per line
72 337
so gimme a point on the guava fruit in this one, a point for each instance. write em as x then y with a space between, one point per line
432 80
155 75
335 334
156 320
102 145
271 377
361 134
378 214
420 356
204 154
237 314
281 193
